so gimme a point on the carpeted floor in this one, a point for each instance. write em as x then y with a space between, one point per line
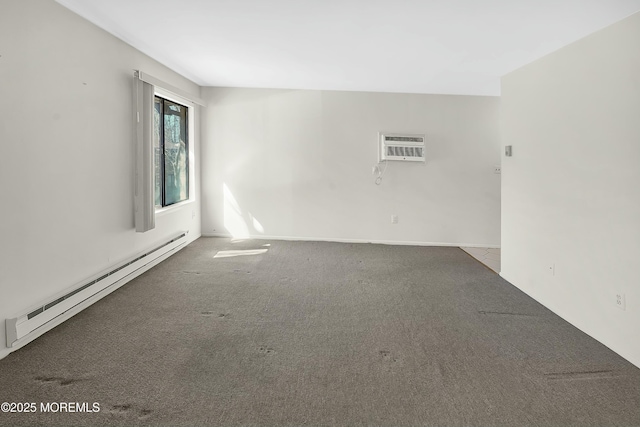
321 334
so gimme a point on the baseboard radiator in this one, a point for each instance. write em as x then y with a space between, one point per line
42 317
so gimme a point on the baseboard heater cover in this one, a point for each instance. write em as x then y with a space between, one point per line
31 320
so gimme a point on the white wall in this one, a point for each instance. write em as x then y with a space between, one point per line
66 144
297 164
571 191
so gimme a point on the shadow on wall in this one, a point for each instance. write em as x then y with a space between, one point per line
234 220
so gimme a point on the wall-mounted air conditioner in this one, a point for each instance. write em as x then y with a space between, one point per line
402 147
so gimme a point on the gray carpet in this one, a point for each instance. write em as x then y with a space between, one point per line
313 333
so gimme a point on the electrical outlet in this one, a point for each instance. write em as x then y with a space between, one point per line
497 169
621 301
375 170
394 219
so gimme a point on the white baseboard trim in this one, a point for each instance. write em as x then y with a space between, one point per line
571 321
4 352
343 240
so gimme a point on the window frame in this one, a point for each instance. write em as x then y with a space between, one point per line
190 130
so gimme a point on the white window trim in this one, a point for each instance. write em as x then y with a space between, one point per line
169 88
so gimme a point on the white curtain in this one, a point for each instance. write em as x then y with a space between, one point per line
145 218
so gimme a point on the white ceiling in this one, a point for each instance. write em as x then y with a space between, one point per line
414 46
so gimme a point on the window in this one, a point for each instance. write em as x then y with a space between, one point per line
171 152
164 173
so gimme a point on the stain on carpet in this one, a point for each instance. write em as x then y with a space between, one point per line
501 313
267 351
56 380
580 375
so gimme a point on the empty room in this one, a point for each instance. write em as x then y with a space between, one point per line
323 213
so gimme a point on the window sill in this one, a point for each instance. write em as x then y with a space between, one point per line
174 207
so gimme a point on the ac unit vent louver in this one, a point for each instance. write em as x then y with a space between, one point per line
402 147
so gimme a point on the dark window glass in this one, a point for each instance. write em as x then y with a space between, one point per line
171 152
